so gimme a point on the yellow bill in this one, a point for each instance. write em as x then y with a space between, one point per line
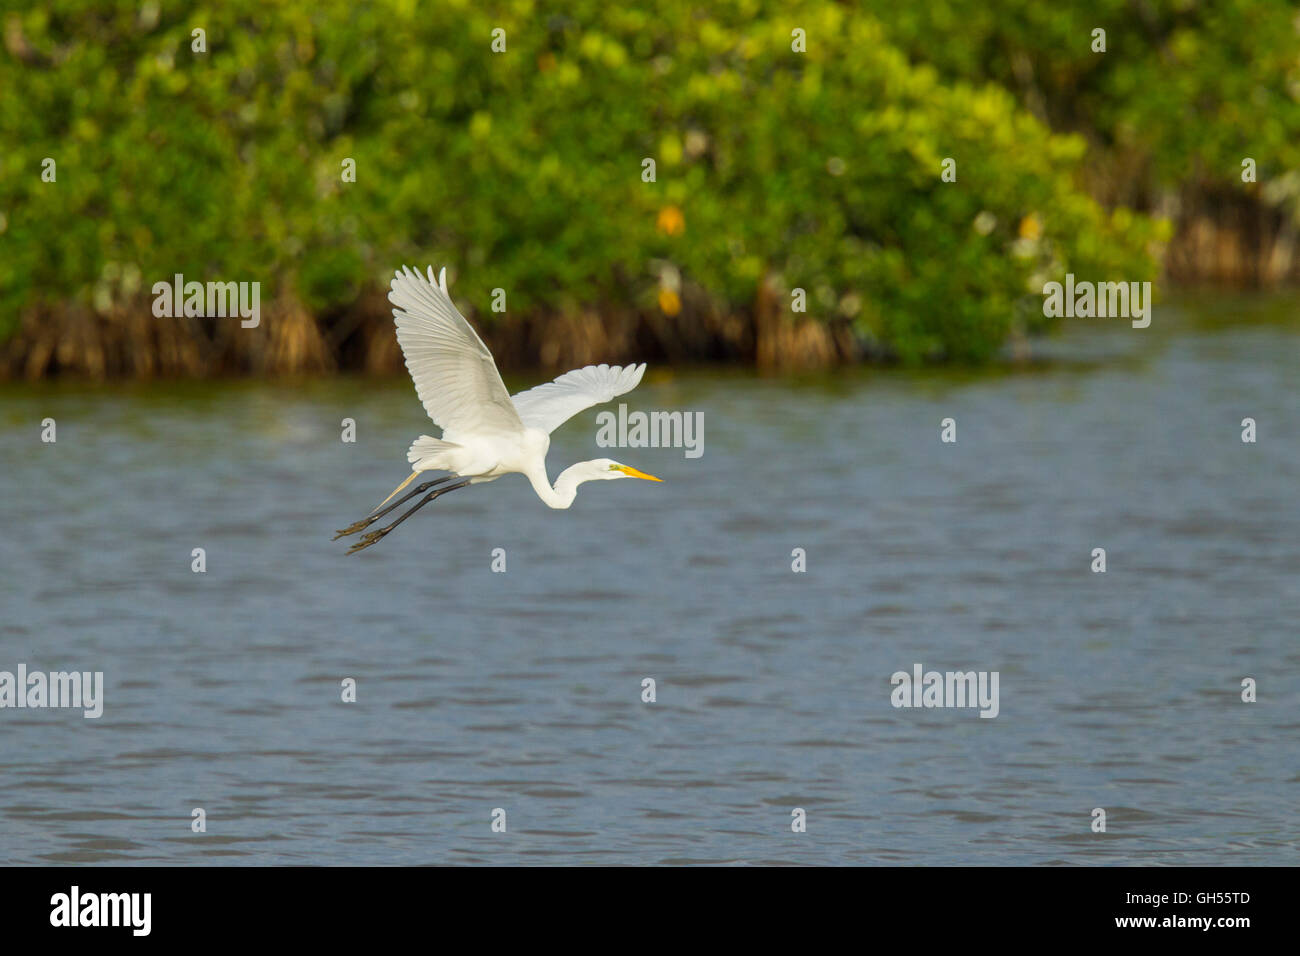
633 473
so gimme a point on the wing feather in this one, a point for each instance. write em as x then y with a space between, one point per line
550 405
453 371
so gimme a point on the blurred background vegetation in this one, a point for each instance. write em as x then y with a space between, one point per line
522 170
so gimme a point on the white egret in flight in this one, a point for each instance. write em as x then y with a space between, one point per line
486 432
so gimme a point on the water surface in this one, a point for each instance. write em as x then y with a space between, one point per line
522 690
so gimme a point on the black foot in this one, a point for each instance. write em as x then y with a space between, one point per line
366 540
354 528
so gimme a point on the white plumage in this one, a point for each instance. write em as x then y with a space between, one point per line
452 369
486 433
550 405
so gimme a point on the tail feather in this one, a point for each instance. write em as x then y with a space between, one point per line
424 448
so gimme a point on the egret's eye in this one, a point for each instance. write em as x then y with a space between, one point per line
613 467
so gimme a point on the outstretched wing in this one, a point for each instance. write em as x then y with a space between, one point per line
452 369
551 405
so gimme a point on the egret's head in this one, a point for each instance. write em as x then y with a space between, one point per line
607 469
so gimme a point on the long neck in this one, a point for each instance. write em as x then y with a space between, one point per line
565 490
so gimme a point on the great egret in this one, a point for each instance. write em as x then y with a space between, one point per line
486 432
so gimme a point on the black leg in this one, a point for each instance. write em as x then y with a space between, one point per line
367 522
366 540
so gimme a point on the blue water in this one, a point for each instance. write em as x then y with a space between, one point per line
522 690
